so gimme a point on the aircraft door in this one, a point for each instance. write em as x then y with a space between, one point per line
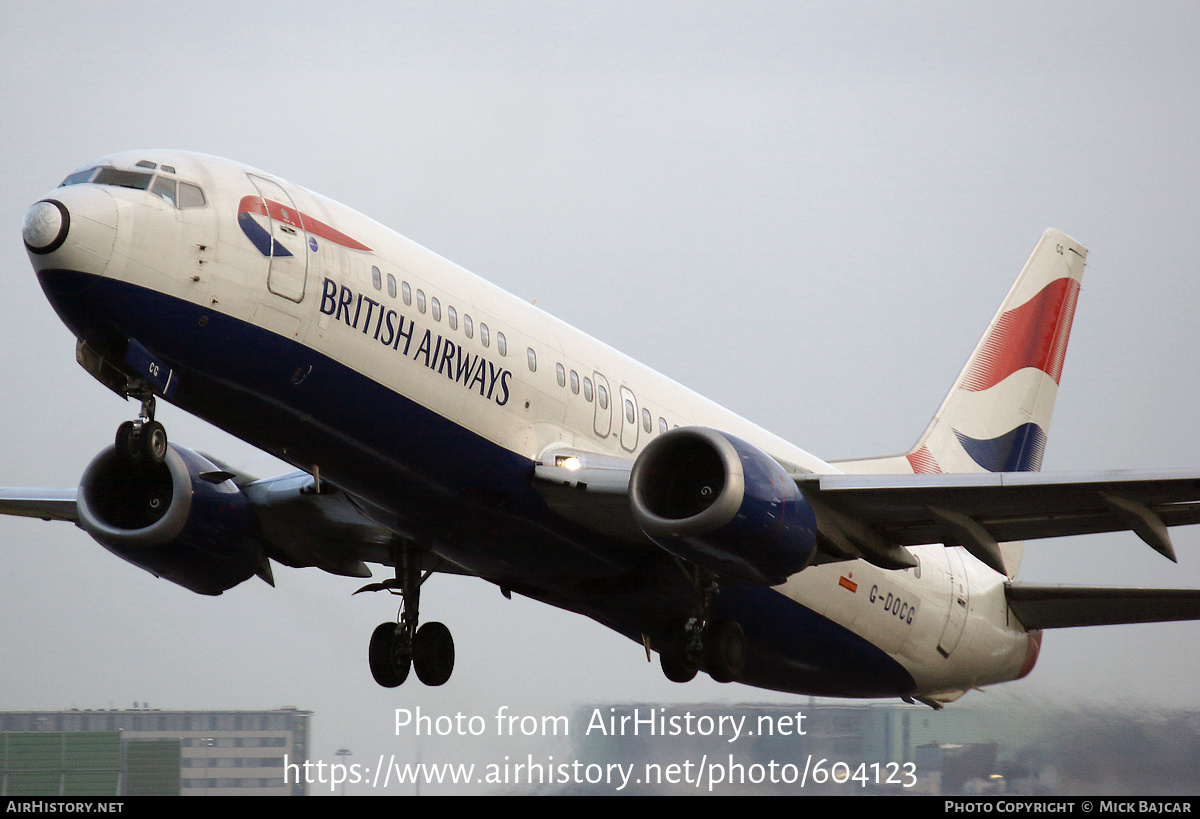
603 418
629 419
288 249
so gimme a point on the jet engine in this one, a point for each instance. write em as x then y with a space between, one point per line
182 519
717 501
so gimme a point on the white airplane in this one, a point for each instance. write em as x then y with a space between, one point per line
443 425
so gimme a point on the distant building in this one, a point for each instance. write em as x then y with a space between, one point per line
147 751
1034 749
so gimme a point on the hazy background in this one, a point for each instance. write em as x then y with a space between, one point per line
807 212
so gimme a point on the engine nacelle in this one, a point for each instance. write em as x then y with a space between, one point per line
717 501
181 519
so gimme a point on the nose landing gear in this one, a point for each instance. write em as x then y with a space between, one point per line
144 439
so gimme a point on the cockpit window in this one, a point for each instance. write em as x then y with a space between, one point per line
78 178
179 194
190 196
123 179
165 188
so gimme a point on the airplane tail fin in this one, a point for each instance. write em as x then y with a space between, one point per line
997 415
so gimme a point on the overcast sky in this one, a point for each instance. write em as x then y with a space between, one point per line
807 212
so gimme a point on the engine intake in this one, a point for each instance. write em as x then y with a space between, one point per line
715 500
170 518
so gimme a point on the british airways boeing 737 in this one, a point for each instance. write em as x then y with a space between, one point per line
440 424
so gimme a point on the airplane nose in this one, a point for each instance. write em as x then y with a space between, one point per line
46 226
73 228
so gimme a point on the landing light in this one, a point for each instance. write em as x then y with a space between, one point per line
567 462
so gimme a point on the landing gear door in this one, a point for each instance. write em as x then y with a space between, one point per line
288 245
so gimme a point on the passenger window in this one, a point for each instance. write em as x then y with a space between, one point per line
630 415
391 285
376 278
485 338
647 421
587 389
452 317
468 325
602 396
420 301
501 344
406 290
560 373
531 360
662 425
437 309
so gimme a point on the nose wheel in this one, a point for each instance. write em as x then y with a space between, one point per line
144 439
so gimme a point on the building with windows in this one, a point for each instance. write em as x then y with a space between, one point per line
142 751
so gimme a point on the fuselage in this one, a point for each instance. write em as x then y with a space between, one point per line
339 346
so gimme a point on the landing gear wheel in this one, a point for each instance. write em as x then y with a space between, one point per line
153 442
433 653
126 442
144 439
676 666
724 650
390 657
673 657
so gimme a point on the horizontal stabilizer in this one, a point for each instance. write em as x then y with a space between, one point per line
1040 607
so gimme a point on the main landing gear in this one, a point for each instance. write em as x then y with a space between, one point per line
718 643
144 439
398 646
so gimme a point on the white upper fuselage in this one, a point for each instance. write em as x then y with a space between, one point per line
497 366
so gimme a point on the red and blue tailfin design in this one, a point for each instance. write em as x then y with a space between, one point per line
997 415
